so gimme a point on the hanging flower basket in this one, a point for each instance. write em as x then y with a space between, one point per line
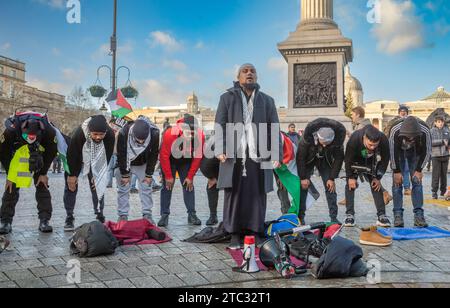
97 91
129 92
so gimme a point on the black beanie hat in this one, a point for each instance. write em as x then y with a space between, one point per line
410 128
141 129
98 124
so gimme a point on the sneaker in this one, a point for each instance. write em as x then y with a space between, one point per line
383 221
387 198
212 221
69 226
349 221
193 220
235 243
343 202
407 192
398 221
419 221
164 221
435 196
5 228
122 218
371 237
149 218
45 227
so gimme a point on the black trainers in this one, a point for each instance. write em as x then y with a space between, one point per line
164 221
5 228
383 221
212 221
398 221
193 220
69 226
435 196
349 221
420 222
45 227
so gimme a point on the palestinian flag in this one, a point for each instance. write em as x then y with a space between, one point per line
118 104
62 149
288 173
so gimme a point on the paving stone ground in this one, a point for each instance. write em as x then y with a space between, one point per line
38 260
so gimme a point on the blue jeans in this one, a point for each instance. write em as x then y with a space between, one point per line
133 182
188 196
417 187
405 173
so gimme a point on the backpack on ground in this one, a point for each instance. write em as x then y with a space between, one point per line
285 222
92 240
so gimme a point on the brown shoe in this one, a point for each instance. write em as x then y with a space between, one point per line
407 192
387 198
343 202
371 237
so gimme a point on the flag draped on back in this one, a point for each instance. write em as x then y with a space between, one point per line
118 104
288 173
62 149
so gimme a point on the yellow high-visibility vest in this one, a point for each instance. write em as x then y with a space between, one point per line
19 168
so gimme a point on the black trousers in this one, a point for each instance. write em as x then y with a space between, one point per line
324 171
70 198
440 169
377 197
9 202
213 199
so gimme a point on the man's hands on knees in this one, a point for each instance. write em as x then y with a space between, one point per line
43 179
189 185
169 184
331 186
376 185
305 184
352 184
398 179
72 182
9 186
125 181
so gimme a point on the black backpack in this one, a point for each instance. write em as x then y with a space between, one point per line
92 240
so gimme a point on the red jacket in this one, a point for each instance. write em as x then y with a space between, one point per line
170 136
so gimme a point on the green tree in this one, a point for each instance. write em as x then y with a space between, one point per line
349 105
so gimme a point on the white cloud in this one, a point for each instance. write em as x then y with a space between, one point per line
45 85
277 64
5 47
175 64
185 79
400 29
164 39
199 45
157 93
55 4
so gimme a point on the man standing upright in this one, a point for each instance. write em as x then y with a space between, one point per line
440 134
409 140
253 115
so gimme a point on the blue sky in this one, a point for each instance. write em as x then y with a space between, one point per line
175 47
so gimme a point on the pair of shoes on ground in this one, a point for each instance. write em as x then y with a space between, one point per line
44 227
383 221
419 221
192 220
69 225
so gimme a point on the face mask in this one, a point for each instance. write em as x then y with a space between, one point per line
30 139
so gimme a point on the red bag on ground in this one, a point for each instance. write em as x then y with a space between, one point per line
135 232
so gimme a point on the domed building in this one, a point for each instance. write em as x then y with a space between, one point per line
353 88
383 111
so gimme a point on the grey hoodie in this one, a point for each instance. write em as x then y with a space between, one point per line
439 136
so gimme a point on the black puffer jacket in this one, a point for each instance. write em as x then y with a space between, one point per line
307 152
